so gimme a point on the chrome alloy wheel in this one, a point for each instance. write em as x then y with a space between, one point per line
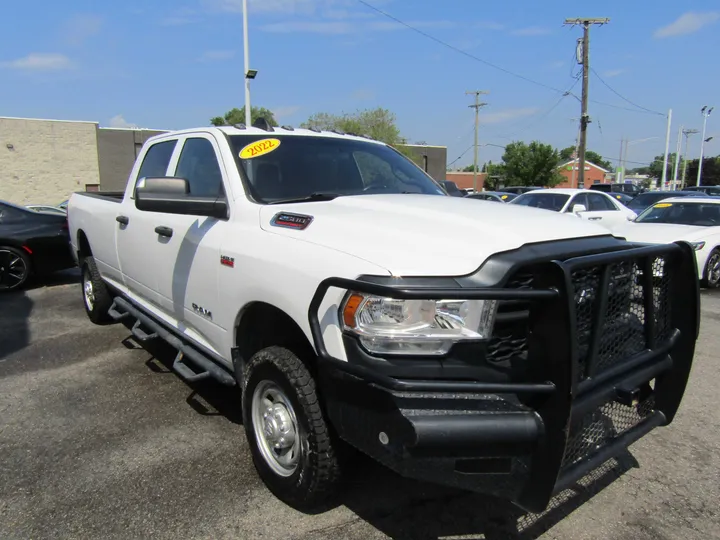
276 428
713 269
13 270
88 291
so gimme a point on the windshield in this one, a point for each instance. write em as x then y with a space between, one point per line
646 199
698 214
548 201
281 168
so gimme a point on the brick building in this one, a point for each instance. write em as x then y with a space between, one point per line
593 174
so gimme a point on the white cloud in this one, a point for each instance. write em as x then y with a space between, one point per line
687 23
490 25
217 56
119 122
531 31
508 114
76 30
284 111
363 94
40 62
343 14
613 72
557 64
180 17
267 6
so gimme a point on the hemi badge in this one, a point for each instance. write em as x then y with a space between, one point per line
227 261
291 221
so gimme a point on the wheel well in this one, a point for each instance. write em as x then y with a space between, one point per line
262 325
83 246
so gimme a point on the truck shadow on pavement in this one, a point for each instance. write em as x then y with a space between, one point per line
15 309
402 508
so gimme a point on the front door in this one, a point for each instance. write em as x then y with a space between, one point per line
190 260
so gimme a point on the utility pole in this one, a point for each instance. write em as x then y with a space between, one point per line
584 119
687 133
667 147
678 148
476 106
705 112
620 178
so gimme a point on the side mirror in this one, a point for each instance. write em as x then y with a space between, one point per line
578 208
171 195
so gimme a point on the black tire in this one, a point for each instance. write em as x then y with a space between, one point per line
15 268
317 474
711 279
97 307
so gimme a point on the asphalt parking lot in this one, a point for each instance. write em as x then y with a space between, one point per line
98 439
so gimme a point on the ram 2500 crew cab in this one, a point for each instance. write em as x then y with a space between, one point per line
496 348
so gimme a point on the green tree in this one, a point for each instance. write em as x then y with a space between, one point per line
237 116
471 168
710 172
533 164
591 156
655 168
378 124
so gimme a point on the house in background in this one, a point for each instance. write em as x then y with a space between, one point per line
594 174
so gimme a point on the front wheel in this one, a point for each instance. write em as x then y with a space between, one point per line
712 270
287 432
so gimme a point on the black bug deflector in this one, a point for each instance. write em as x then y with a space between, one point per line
590 353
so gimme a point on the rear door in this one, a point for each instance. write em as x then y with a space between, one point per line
603 209
136 239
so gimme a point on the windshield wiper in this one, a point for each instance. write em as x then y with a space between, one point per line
309 198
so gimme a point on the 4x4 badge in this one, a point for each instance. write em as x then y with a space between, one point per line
291 221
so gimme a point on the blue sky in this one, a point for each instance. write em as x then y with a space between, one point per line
174 64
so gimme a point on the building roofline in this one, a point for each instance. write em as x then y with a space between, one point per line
422 145
48 120
586 162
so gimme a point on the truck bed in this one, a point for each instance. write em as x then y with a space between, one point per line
112 196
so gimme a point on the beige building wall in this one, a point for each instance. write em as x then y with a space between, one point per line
44 161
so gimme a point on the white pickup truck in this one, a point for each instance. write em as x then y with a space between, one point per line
496 348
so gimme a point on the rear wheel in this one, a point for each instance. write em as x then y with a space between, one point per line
288 435
96 295
712 270
14 268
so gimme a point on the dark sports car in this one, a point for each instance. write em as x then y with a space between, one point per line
31 243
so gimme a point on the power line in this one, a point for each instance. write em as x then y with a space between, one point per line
461 155
457 49
623 97
482 61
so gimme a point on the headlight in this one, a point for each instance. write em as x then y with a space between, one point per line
697 246
392 326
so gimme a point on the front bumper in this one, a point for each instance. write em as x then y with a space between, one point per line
606 356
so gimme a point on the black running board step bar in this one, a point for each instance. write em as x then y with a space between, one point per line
189 353
115 314
185 371
141 334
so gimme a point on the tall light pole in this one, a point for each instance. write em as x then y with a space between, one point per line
249 73
677 158
705 112
667 148
687 133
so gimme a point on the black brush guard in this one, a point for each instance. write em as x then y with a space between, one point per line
611 338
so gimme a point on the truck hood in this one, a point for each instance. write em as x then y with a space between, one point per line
425 234
659 233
